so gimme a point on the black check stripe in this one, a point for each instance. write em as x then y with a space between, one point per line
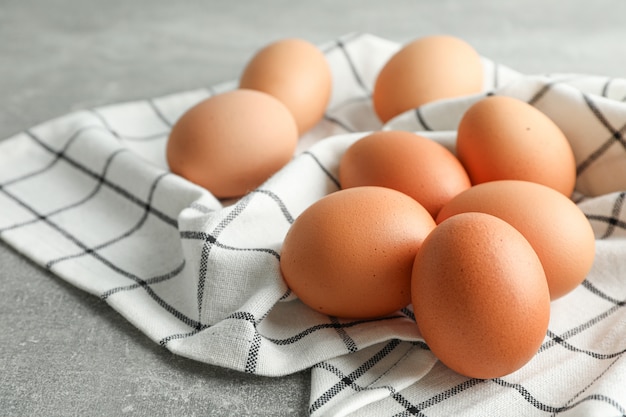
111 265
143 138
416 409
550 409
329 174
341 43
365 92
146 283
343 125
347 340
100 181
576 401
613 221
209 241
350 379
419 113
549 85
138 225
114 187
155 108
212 240
57 155
88 197
421 408
332 325
616 135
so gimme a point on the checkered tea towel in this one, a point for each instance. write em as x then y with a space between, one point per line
89 197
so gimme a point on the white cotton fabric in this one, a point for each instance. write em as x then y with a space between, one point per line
89 196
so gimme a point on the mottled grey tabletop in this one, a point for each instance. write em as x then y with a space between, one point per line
64 352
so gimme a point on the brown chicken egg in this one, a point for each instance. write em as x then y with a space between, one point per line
480 296
350 254
297 73
504 138
426 69
555 227
232 142
407 162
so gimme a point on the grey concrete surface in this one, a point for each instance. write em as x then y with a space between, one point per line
65 353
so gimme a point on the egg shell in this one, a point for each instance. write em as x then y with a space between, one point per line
504 138
297 73
480 296
232 142
555 227
350 254
417 166
426 69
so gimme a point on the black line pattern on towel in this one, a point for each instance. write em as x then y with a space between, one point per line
114 187
408 313
159 113
605 87
541 92
332 325
420 119
595 355
252 358
568 403
339 123
140 222
177 336
100 180
255 345
551 409
145 138
207 237
170 309
343 335
238 315
602 118
253 354
279 202
349 380
590 287
549 85
82 201
147 282
613 220
211 238
326 170
596 154
57 156
345 39
341 44
616 135
557 339
355 73
416 409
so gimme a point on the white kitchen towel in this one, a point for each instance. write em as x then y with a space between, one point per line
89 197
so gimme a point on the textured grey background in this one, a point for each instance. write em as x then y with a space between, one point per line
63 352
